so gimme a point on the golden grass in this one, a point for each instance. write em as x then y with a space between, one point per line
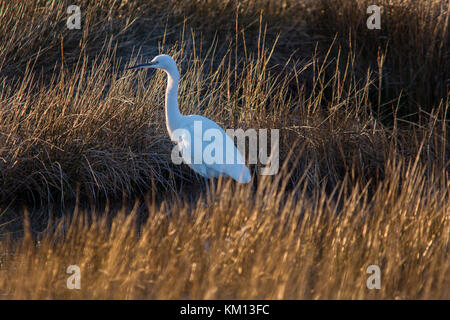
264 244
361 183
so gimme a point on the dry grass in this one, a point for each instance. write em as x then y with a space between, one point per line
415 38
361 183
260 244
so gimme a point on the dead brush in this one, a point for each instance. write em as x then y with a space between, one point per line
264 244
415 37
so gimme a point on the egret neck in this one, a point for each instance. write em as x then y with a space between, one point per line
173 115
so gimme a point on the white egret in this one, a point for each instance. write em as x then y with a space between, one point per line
183 131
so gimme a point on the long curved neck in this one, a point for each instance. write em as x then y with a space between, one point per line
173 115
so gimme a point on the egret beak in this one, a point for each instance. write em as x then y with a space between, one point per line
142 66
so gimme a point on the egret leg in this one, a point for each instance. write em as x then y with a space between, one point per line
213 187
207 190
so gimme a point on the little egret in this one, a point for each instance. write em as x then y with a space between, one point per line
184 131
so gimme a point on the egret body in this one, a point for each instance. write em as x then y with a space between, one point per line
182 130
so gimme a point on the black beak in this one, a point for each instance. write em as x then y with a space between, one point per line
143 65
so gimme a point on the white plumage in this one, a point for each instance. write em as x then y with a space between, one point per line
183 131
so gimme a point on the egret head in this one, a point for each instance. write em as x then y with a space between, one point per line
163 62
